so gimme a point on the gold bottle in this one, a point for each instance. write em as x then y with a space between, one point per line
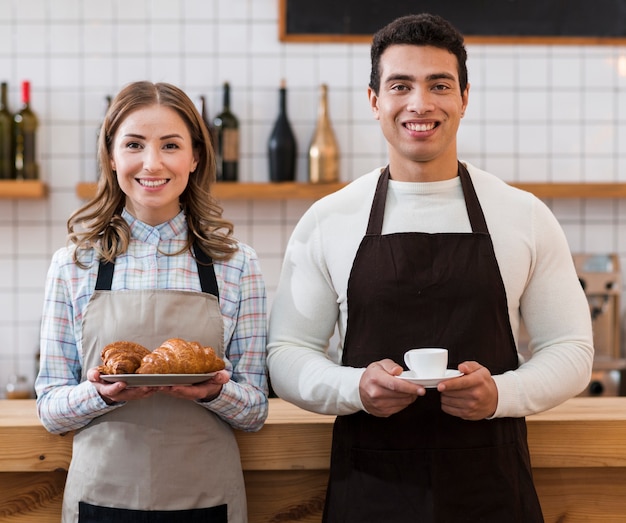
324 150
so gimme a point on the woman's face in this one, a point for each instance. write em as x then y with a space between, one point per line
153 155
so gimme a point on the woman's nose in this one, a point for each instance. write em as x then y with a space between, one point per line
152 159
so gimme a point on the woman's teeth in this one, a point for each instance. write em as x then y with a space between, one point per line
151 183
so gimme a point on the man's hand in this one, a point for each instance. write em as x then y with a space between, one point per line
382 393
473 396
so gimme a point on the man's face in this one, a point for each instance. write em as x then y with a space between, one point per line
419 106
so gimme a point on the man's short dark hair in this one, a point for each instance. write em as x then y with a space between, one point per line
423 29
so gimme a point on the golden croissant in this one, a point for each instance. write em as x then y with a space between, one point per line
174 356
122 357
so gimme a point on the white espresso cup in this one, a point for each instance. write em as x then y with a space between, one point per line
428 362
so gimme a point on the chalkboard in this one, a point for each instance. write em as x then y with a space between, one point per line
488 21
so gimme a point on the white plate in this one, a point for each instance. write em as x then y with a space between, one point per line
156 380
429 383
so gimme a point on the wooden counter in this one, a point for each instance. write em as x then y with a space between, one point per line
578 454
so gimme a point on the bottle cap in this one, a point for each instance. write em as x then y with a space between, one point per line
25 91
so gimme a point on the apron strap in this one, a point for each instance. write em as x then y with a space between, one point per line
377 212
474 210
206 273
105 276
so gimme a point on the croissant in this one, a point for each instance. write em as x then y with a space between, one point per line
177 356
122 357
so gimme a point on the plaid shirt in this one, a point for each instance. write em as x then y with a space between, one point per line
66 403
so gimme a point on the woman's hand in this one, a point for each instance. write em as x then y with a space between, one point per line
203 391
117 392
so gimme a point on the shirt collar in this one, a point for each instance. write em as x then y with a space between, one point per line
174 228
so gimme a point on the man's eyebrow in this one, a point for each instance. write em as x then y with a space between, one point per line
399 76
441 76
411 78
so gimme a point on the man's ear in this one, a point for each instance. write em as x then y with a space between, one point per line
373 99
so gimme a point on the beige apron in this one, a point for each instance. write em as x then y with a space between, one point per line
160 453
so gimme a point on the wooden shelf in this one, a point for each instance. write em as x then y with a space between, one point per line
250 191
305 191
18 189
574 190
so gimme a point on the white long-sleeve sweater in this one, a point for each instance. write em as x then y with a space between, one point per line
535 264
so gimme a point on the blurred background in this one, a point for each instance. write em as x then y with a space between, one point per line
537 113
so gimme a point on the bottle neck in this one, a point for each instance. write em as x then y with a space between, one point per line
203 108
226 97
3 96
323 107
26 94
282 100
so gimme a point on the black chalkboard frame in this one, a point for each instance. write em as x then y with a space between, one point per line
560 22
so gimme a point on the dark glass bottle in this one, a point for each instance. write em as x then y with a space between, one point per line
227 133
105 109
282 148
25 125
204 112
6 136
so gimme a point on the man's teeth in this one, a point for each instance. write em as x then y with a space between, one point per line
412 126
152 183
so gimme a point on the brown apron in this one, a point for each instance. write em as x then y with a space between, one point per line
161 459
422 465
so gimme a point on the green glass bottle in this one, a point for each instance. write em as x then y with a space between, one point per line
6 136
25 125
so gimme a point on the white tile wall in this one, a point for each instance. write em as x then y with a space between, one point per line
537 113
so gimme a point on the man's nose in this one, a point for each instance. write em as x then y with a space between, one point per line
420 101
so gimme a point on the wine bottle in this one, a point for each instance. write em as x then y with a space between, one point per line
105 109
204 112
6 136
323 151
227 132
282 148
24 133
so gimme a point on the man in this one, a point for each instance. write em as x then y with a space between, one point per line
428 252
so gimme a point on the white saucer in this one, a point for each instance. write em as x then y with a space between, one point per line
429 383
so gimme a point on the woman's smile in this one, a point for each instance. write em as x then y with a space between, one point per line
152 183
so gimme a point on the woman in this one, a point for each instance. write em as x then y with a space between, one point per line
151 259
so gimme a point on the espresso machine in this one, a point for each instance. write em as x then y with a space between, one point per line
600 277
